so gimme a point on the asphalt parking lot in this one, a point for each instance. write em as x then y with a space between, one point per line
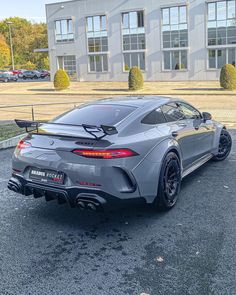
50 249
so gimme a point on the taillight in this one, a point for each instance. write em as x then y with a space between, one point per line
105 154
23 145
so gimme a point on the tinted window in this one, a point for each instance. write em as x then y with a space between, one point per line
172 112
96 115
189 111
155 117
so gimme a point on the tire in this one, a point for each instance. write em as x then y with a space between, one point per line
169 182
36 77
6 80
24 78
225 146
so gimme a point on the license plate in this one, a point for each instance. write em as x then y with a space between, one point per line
47 176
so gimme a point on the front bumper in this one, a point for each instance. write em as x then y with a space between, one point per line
92 199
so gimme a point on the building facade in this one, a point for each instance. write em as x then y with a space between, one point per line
167 39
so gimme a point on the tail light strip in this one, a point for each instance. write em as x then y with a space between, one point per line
105 154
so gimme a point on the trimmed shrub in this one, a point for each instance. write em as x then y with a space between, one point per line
61 80
228 77
135 79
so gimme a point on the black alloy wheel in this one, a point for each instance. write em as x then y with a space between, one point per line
225 146
169 182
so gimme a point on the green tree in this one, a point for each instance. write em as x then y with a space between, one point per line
26 38
4 53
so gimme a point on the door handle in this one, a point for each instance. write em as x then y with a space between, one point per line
175 133
182 125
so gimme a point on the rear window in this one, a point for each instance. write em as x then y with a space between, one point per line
96 115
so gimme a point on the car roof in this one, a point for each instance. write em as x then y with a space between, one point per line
137 101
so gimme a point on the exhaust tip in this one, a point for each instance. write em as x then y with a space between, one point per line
92 207
81 205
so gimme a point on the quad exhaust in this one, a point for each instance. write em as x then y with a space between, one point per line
15 185
88 204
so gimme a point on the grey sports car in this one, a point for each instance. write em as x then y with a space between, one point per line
115 151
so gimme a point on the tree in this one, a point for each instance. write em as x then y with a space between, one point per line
26 38
4 53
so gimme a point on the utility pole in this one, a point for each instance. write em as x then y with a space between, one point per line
11 45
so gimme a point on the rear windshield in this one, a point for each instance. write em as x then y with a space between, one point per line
96 115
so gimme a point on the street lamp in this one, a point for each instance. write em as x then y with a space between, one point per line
11 45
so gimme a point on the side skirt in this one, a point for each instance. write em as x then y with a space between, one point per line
197 165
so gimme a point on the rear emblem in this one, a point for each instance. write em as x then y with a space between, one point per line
51 142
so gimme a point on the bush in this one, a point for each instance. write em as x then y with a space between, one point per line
61 80
135 79
228 77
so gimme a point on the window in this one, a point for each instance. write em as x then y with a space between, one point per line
96 115
134 42
174 27
133 21
217 58
97 43
98 63
134 59
189 111
154 118
64 30
175 60
67 63
172 112
134 39
222 23
96 24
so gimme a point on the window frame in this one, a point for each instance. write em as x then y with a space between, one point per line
154 110
102 56
216 57
216 20
179 23
172 70
137 52
63 63
176 103
67 19
179 103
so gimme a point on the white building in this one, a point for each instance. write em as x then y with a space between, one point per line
168 39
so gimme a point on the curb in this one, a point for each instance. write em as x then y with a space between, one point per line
11 142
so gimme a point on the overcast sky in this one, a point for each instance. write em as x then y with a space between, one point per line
31 9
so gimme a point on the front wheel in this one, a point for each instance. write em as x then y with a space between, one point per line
169 182
225 146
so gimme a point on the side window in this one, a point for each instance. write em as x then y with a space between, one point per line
189 111
153 118
172 112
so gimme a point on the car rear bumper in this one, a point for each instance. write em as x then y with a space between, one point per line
92 199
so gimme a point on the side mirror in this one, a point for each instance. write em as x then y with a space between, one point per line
206 116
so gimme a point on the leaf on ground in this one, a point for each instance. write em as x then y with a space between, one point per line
159 259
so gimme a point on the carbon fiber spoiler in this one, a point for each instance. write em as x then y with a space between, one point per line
91 129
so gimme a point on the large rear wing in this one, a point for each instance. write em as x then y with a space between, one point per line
93 130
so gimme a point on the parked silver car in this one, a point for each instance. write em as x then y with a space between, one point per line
116 151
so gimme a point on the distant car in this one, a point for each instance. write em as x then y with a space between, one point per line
7 77
31 75
17 72
4 77
121 150
44 74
